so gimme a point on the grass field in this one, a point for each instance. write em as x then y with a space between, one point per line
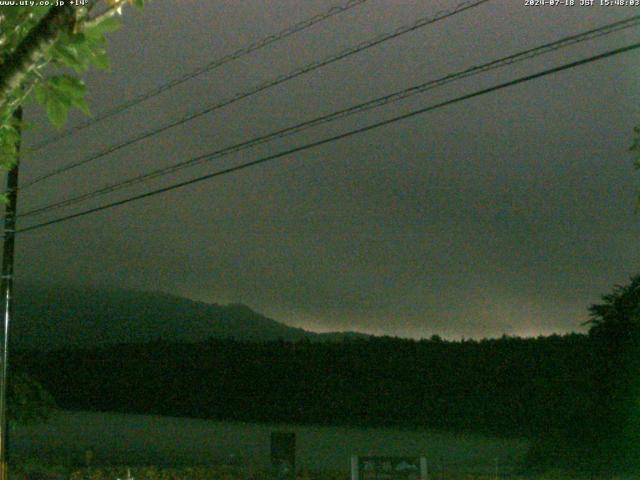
154 440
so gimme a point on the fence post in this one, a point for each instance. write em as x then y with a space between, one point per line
424 469
354 467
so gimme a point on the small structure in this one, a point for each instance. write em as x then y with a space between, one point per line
388 468
283 455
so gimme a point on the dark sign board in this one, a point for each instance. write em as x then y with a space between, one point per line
388 468
283 455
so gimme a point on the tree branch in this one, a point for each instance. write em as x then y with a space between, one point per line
32 48
108 13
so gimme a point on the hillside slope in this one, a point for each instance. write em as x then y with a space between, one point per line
50 318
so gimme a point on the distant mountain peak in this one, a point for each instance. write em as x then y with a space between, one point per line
50 317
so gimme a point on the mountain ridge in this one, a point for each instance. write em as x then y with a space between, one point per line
48 317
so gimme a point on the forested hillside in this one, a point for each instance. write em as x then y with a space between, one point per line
573 395
509 386
69 316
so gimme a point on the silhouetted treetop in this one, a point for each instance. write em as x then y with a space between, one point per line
619 314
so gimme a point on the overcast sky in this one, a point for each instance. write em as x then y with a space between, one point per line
508 213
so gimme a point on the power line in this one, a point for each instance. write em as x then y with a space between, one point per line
334 138
217 63
422 22
380 101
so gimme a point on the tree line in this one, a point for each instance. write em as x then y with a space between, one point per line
508 386
575 395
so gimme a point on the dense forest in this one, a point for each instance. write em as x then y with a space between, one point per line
576 396
509 386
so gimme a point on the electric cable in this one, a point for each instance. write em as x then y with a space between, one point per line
334 138
214 64
375 103
422 22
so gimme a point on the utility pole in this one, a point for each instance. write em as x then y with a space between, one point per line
6 292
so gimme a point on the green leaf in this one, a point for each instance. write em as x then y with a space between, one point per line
75 38
81 104
57 111
78 51
8 150
41 93
100 59
139 4
110 24
59 96
105 26
85 52
94 42
67 55
10 137
71 87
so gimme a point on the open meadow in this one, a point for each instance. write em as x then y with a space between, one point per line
154 440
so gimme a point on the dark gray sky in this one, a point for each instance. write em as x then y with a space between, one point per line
509 213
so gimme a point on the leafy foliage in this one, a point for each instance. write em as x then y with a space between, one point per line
635 149
615 325
619 314
28 401
59 93
510 386
43 67
575 396
48 71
